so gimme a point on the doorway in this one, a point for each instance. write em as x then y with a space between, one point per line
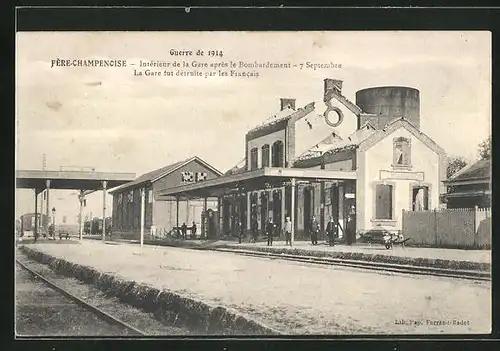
334 201
308 201
226 223
277 209
420 198
253 211
264 210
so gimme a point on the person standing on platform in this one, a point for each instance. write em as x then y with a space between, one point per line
52 232
270 232
288 231
314 230
332 231
184 231
255 231
240 231
351 229
193 231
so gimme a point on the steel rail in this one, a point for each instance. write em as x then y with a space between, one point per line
378 266
103 315
359 264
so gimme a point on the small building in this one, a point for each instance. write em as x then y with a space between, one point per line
470 186
28 221
360 163
160 213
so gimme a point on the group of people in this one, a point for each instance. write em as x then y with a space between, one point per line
332 231
184 228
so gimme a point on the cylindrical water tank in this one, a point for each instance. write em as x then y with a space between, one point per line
389 103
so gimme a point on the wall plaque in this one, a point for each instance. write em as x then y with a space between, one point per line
400 175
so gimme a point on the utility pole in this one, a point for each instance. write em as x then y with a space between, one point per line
81 198
292 211
143 195
42 194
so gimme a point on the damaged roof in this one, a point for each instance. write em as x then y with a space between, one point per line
345 101
333 145
278 117
240 167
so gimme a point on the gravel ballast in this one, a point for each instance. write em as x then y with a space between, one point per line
174 308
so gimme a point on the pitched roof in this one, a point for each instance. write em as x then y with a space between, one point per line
345 101
288 113
238 168
338 144
161 172
478 170
278 117
396 124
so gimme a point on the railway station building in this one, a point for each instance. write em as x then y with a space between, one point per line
163 214
470 186
361 162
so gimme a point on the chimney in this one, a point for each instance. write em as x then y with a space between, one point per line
333 85
287 103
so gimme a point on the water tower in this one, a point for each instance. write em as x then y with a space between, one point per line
384 104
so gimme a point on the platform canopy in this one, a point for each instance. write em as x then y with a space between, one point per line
71 180
254 180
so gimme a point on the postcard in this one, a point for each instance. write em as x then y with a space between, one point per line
253 183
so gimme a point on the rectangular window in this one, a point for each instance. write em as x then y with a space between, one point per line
402 152
150 196
254 154
277 159
265 156
383 201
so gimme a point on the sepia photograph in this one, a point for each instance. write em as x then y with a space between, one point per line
238 183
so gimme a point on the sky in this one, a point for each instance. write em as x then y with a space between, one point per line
112 120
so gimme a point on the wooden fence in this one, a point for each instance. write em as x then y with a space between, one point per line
459 228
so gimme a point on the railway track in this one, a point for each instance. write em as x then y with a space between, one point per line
102 315
376 266
367 265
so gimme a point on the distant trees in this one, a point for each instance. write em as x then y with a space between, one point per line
484 149
454 165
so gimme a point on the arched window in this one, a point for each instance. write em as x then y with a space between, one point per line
402 152
254 158
265 156
277 159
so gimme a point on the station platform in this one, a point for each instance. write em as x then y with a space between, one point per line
291 297
479 256
474 256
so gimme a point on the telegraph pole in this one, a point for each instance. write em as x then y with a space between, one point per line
42 194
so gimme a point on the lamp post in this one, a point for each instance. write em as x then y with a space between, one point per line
54 222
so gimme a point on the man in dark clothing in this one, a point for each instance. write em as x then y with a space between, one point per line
239 231
270 227
255 231
184 231
193 231
350 230
314 230
52 231
332 230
